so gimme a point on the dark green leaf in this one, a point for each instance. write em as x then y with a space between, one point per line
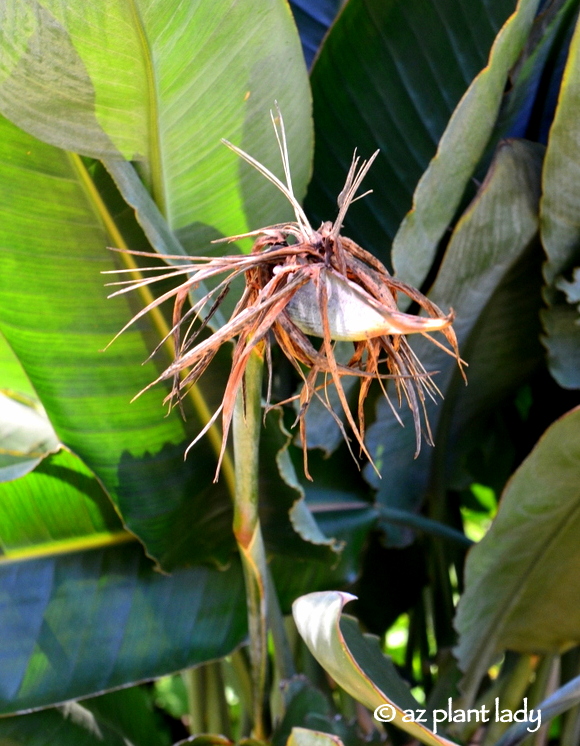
69 725
490 276
289 527
130 712
389 76
441 187
560 225
520 579
81 623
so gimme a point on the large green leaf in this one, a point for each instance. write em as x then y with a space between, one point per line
59 507
441 187
69 725
124 717
560 225
56 317
521 579
389 76
80 623
355 661
12 375
160 83
491 277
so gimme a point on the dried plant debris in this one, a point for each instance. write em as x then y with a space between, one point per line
301 283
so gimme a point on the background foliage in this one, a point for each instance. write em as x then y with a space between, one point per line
118 561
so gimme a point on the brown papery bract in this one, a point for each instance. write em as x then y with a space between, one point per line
302 283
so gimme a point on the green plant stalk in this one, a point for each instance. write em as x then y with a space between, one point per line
246 434
206 703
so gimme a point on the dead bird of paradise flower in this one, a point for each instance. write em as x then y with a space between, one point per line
301 282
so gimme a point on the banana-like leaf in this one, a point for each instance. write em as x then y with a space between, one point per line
560 226
441 187
26 436
12 375
491 277
355 661
81 608
160 83
131 712
57 319
313 18
69 725
59 507
520 578
389 75
80 623
121 718
561 700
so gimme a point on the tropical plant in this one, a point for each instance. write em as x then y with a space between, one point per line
124 563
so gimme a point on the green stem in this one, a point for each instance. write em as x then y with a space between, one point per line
246 433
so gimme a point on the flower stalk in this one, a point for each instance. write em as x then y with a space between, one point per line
246 525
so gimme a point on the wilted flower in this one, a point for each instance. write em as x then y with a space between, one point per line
301 283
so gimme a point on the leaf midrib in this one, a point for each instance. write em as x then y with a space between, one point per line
154 137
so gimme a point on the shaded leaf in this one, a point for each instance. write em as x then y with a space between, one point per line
26 436
560 225
130 712
302 701
69 725
490 276
288 525
147 81
519 577
441 187
313 19
354 660
81 623
342 515
548 39
57 319
390 75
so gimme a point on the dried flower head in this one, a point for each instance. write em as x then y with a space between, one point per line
301 283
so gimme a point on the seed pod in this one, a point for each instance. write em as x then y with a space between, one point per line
353 314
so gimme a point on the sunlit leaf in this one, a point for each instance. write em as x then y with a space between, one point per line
160 83
12 375
26 436
59 507
57 319
306 737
